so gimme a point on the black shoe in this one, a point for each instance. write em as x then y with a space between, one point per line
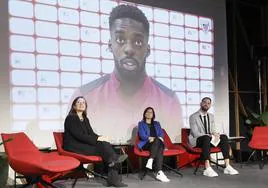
117 184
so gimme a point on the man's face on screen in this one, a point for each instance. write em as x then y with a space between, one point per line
129 45
205 105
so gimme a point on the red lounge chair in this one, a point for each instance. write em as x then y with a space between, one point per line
83 159
171 150
195 150
259 142
25 158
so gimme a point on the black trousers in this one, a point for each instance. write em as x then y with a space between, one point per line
106 151
204 143
156 149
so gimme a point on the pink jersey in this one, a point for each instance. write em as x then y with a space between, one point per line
113 114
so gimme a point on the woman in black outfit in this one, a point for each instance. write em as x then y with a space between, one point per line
80 138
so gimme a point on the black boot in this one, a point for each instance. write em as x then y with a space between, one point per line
114 178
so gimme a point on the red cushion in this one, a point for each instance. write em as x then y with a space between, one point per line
30 161
58 136
54 162
259 138
171 149
172 152
196 150
167 152
82 158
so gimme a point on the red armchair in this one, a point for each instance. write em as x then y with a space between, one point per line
195 150
25 158
83 159
171 150
259 142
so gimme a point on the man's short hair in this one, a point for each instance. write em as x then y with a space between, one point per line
206 98
128 11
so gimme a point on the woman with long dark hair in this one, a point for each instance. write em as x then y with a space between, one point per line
80 138
152 139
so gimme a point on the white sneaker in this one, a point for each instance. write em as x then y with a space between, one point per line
209 172
162 177
89 175
230 170
150 163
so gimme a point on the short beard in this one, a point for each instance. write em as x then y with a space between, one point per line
203 109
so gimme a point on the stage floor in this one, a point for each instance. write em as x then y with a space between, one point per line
250 177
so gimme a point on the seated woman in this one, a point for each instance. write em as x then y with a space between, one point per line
151 139
80 138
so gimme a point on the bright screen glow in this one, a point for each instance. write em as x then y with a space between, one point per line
57 46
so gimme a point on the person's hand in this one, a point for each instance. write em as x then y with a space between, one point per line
151 139
103 138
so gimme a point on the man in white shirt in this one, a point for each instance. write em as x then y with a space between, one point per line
203 130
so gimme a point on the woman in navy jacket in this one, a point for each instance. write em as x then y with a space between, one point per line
152 139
